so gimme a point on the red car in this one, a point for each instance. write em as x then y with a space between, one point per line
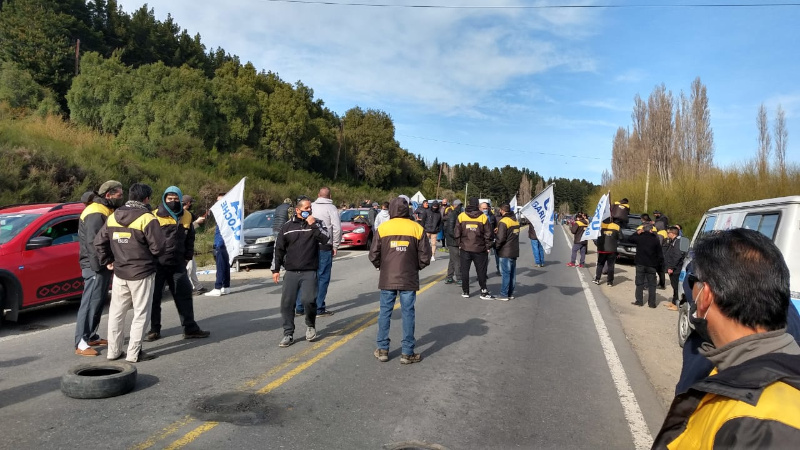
355 227
38 255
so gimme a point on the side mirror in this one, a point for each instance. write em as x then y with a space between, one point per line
39 242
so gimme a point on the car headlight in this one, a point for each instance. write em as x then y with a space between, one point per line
360 230
265 240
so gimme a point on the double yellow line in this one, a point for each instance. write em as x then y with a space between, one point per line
350 332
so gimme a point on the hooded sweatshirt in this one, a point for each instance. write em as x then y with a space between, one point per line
382 216
400 250
577 228
473 230
92 220
178 232
325 211
132 239
507 243
433 219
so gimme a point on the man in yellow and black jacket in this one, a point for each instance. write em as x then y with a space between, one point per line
507 248
399 250
475 238
171 269
751 399
607 242
129 244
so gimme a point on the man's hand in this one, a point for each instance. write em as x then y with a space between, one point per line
311 220
639 231
276 277
669 271
335 251
110 266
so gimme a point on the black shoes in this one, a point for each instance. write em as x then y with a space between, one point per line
152 336
199 334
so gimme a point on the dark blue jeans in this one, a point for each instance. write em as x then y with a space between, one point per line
407 300
323 281
538 251
95 295
508 271
223 268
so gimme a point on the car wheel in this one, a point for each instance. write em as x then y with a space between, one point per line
99 380
683 323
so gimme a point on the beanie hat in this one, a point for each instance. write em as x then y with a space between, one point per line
108 185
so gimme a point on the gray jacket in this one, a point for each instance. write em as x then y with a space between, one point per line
324 210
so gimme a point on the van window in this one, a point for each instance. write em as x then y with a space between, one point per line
708 226
765 223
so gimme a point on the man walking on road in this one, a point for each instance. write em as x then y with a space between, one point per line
222 286
751 399
578 246
673 262
607 251
297 249
432 225
536 247
171 267
326 213
507 247
474 236
454 263
96 277
648 258
191 266
400 250
129 244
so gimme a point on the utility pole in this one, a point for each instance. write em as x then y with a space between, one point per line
466 192
338 152
440 180
647 185
77 56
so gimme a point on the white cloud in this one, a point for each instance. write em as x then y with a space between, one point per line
609 104
631 76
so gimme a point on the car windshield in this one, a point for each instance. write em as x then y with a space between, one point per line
351 214
634 222
259 219
12 224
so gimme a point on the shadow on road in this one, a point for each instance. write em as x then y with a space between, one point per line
443 335
25 392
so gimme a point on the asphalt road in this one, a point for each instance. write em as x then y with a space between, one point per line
550 369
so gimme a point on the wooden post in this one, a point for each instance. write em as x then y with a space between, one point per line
440 180
647 185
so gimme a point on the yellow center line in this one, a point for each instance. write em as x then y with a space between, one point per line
194 434
164 433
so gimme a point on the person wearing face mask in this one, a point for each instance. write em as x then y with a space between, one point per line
96 277
130 243
474 236
751 397
297 249
171 267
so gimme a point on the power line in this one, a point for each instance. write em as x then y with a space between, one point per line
534 7
503 148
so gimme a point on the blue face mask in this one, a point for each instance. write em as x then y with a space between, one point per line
485 211
305 214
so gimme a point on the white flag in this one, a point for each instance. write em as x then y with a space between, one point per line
540 212
601 213
513 204
229 214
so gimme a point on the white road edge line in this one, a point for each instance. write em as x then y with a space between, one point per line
642 439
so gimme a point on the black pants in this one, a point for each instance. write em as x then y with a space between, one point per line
305 282
674 280
180 287
454 263
646 275
481 260
661 277
602 260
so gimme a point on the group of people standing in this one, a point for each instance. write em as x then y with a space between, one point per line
138 250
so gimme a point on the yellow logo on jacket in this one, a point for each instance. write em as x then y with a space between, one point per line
121 237
399 246
472 226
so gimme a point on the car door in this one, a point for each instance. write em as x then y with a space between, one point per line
52 273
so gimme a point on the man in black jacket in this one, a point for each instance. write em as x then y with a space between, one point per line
454 265
297 249
673 262
648 258
607 250
432 225
171 267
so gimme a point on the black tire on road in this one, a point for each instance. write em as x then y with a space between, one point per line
684 329
99 380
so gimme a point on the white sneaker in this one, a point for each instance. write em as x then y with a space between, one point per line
433 258
213 293
311 334
226 291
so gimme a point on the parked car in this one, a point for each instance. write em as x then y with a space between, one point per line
259 237
776 218
355 228
626 248
39 251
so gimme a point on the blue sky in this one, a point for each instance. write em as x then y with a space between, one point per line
544 89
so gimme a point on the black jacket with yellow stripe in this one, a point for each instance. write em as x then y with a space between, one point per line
92 220
474 232
610 235
507 241
178 235
132 239
400 250
755 404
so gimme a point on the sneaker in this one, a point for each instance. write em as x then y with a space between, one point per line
311 334
597 282
568 265
202 290
114 358
448 281
511 297
152 336
465 294
433 258
502 298
226 290
485 295
213 293
609 284
143 357
199 334
286 341
581 266
382 355
324 313
410 359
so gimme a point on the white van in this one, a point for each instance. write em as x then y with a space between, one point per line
776 218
